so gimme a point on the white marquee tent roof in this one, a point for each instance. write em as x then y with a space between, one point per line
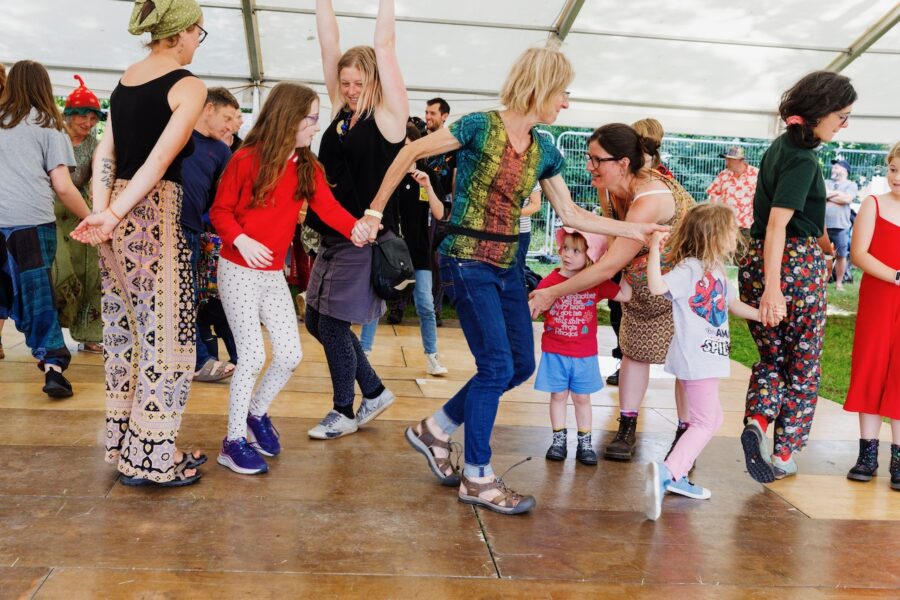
700 66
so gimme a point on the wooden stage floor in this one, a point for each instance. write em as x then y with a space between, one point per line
363 517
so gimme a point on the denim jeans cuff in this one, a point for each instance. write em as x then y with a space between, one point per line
444 422
478 470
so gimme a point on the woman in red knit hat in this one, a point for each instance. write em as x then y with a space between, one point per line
76 272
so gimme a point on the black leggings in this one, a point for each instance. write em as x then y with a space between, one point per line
346 360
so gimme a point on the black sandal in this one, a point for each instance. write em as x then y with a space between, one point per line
180 479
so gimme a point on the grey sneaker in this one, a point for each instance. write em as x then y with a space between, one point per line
334 425
783 468
372 407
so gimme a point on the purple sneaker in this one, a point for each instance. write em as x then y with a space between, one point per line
261 431
241 457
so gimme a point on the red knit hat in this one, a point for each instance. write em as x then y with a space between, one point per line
82 101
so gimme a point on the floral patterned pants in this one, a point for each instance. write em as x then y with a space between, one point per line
784 384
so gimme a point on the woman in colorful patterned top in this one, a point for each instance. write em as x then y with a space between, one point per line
500 158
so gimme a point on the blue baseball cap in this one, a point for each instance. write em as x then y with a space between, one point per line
843 163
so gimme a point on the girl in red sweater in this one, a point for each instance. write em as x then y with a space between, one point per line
255 213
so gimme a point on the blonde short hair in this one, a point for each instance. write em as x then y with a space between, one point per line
535 79
363 58
894 153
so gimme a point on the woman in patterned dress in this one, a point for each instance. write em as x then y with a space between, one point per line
616 157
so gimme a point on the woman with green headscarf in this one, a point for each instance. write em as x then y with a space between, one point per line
148 294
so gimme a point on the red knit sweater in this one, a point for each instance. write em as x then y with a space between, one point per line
272 224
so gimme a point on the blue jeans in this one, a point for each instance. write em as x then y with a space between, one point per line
522 253
424 308
493 312
193 239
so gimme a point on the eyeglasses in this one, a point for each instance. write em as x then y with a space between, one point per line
203 34
596 160
843 117
566 94
312 118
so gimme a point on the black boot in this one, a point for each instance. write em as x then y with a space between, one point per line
613 379
867 463
895 466
679 431
558 449
585 453
622 447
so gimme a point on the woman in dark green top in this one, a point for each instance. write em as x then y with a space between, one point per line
789 230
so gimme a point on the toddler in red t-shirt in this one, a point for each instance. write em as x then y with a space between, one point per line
569 363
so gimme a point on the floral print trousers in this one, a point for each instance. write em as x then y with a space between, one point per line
784 384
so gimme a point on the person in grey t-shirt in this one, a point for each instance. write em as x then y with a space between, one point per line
841 192
35 158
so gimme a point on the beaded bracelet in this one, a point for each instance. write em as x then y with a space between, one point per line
369 212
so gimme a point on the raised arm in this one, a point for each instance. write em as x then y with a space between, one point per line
572 215
434 203
330 47
655 282
391 116
435 143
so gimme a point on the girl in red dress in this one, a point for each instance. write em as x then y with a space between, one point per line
875 374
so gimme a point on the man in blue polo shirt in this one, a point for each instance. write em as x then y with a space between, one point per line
200 175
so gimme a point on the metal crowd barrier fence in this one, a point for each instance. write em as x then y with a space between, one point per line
695 163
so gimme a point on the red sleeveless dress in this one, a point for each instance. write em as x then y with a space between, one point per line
875 367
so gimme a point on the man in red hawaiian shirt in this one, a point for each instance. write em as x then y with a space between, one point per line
734 187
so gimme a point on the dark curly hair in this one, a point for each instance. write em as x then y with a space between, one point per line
622 141
815 96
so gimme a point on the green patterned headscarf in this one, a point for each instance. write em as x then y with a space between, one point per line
167 18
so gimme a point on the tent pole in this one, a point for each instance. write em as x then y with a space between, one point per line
251 31
869 37
566 19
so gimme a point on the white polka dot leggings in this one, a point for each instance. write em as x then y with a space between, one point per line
251 298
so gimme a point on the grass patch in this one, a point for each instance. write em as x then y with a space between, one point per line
835 353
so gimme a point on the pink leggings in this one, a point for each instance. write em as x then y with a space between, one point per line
702 397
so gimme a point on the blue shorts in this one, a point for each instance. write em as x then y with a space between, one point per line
558 373
841 240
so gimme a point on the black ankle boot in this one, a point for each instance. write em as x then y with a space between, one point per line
895 466
867 463
558 447
622 447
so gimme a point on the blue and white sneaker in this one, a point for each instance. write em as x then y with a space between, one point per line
333 425
658 477
684 487
372 407
261 431
241 457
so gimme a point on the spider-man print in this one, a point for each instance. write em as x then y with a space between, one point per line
709 301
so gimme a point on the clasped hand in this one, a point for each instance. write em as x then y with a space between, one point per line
95 229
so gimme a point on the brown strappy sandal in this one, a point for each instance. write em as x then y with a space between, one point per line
443 468
505 501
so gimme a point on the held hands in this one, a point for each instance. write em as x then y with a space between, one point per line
658 240
772 307
642 232
254 254
95 229
360 234
374 225
540 301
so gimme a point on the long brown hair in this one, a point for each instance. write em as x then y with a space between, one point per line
703 234
273 137
28 86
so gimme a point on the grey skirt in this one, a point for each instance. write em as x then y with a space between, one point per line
340 285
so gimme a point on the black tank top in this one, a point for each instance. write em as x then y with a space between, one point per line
356 163
140 114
